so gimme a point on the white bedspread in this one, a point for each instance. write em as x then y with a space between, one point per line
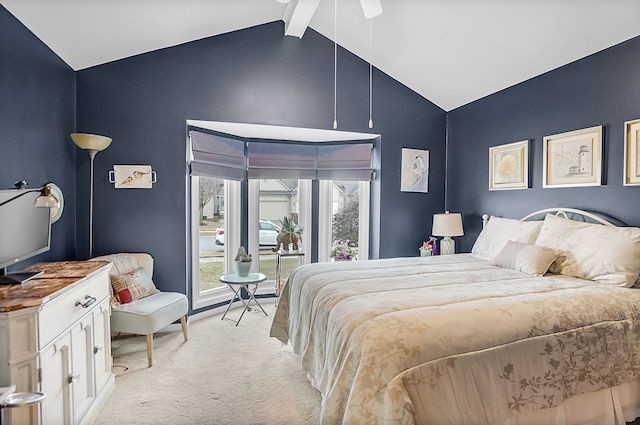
452 339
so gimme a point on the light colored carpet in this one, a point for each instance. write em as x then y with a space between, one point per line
223 375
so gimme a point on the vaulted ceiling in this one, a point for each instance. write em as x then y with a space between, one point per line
451 52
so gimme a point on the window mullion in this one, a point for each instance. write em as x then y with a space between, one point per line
324 220
363 228
232 223
253 227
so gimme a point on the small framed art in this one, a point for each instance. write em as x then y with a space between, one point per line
415 170
573 158
509 166
632 153
132 176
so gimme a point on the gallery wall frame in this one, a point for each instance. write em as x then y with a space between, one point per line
509 166
573 158
415 170
631 153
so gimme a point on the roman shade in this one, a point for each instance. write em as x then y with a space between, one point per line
237 158
345 162
315 160
217 156
281 160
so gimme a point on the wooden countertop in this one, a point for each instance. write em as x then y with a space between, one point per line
57 277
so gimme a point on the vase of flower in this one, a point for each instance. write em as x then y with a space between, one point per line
426 250
343 251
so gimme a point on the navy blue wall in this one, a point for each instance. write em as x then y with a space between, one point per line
260 76
602 89
37 114
256 75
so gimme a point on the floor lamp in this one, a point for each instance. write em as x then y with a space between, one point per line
92 144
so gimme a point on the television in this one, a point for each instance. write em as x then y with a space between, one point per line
25 231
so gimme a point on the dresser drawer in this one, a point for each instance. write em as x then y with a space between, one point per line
62 311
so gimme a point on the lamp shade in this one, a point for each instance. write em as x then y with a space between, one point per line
447 224
91 142
46 198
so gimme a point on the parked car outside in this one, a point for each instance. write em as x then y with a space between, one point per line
268 233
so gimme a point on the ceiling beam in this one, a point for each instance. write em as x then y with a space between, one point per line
298 15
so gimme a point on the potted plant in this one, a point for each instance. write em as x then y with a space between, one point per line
290 234
343 251
243 262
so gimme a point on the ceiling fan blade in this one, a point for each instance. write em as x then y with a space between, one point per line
371 8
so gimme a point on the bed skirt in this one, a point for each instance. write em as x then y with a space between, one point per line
610 406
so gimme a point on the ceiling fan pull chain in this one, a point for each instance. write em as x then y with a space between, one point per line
335 64
370 73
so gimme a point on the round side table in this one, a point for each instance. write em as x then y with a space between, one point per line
236 283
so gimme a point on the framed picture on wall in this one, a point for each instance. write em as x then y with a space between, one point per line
632 153
573 158
132 176
415 170
509 166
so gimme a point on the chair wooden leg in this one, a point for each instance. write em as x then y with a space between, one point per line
150 349
183 321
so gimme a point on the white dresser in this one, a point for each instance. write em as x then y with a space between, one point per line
55 338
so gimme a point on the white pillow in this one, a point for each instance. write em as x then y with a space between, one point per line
499 231
605 254
530 259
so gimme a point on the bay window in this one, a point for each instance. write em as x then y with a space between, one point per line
322 185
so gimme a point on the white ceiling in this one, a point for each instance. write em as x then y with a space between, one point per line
451 52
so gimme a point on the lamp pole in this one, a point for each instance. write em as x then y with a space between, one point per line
92 144
92 155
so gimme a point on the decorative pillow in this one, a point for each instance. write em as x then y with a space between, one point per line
122 263
129 287
144 279
605 254
530 259
499 231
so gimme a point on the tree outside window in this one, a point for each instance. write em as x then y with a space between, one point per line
346 220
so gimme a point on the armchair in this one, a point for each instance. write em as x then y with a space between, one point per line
137 306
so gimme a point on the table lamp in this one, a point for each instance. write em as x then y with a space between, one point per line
447 225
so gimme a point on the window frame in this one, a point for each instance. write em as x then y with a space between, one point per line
325 219
232 225
304 217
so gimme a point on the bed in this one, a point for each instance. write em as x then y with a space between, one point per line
539 324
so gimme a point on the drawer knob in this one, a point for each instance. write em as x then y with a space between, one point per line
89 300
97 349
73 378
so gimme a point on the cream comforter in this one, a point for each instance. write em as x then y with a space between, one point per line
452 339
